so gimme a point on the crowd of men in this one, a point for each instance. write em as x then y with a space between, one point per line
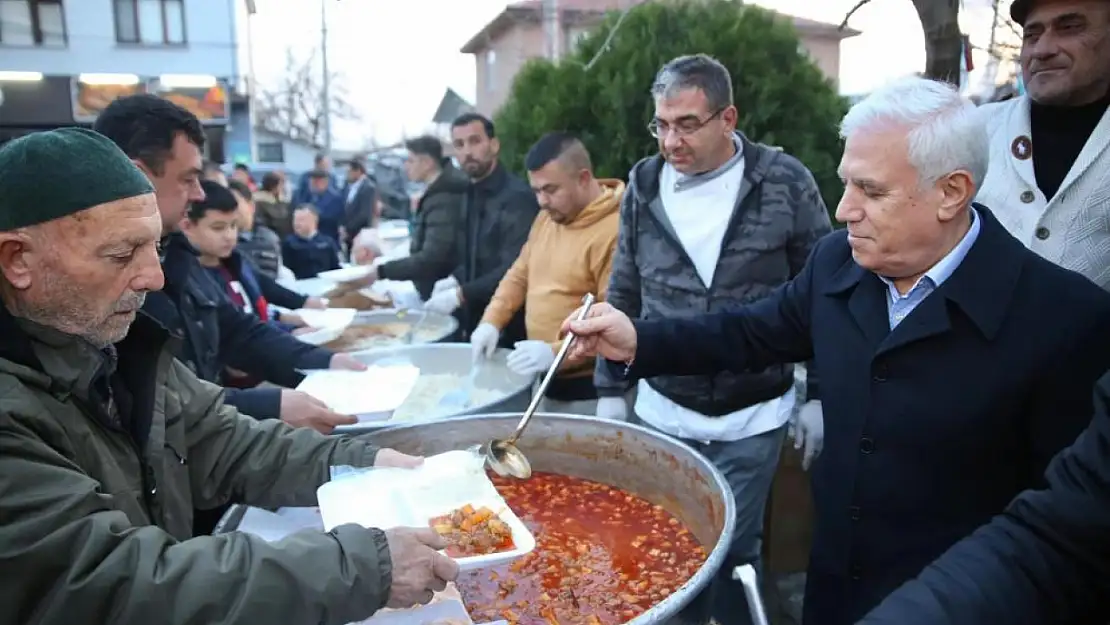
958 324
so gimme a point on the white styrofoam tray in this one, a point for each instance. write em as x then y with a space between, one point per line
445 611
320 336
388 498
311 287
394 231
329 323
370 395
403 293
327 317
346 274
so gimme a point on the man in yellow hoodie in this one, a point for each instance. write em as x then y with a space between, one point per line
568 254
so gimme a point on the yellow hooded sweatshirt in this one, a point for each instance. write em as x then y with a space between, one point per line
558 265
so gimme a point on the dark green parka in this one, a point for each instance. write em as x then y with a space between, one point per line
97 490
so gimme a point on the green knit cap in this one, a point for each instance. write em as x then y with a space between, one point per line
47 175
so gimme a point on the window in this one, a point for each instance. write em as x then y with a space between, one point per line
32 23
491 65
271 152
150 22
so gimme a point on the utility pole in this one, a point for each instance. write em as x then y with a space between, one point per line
326 89
252 93
552 32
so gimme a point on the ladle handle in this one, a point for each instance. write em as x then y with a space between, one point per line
559 358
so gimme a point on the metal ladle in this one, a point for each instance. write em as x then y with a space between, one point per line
503 456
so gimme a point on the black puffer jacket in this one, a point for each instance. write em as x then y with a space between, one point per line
497 217
432 250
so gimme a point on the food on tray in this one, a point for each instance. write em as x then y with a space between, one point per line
340 297
471 531
603 556
424 400
357 337
360 336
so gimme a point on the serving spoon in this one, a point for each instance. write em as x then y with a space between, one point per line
503 456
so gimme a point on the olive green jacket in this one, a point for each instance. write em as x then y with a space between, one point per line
96 509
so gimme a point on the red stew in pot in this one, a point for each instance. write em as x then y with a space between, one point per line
603 556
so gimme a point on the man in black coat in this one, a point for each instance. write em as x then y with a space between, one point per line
1045 560
435 223
955 363
359 198
497 216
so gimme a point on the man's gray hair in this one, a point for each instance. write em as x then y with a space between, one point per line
695 71
946 132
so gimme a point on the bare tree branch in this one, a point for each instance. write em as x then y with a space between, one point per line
1004 34
859 5
293 105
1000 50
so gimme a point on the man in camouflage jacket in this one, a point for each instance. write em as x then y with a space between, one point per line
713 222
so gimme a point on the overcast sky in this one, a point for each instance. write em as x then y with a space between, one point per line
398 57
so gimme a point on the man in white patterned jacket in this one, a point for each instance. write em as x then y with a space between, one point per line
1049 176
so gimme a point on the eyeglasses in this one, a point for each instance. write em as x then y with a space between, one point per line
683 128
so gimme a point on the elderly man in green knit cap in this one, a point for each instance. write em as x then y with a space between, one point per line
107 442
101 228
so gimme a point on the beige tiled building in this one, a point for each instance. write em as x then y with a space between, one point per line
517 35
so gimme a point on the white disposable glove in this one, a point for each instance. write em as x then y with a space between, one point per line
445 284
807 428
483 342
530 357
615 408
444 302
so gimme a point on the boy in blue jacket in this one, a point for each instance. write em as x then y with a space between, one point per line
211 226
307 251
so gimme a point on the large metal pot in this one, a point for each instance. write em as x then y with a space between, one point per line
456 359
640 461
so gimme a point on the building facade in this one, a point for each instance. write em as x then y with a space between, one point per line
516 35
63 61
275 151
